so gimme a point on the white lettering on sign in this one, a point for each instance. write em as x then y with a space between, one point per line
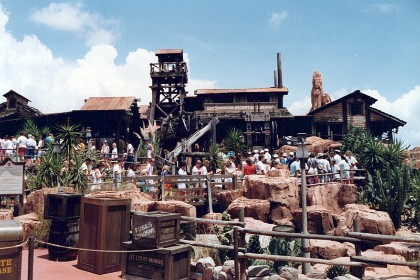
144 230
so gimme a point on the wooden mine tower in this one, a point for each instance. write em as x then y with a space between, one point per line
169 78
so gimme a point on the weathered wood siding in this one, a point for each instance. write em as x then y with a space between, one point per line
333 114
376 117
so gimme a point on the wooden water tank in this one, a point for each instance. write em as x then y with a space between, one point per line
104 225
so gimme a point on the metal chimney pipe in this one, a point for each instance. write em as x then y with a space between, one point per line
275 79
279 72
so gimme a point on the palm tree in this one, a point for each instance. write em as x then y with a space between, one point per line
68 134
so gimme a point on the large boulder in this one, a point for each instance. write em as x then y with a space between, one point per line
410 251
6 214
332 196
327 249
174 206
320 220
287 149
29 223
255 208
35 200
280 213
318 145
282 192
371 221
225 198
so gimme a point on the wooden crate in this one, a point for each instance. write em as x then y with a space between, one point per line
155 229
168 263
62 206
104 225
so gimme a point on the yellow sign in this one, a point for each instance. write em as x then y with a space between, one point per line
5 266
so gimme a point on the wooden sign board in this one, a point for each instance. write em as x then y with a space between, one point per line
12 176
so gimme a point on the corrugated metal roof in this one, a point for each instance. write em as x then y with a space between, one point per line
169 51
240 90
108 103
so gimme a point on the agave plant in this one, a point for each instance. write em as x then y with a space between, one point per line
336 270
213 157
69 134
48 172
31 128
74 176
234 141
283 247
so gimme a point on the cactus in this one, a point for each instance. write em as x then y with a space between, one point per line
336 270
225 236
253 246
283 247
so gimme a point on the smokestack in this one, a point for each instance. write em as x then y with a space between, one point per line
275 78
279 72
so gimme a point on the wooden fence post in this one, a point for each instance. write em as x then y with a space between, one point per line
357 271
209 194
236 252
162 186
242 244
31 258
235 181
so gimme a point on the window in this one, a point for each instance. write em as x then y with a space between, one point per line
356 109
12 102
257 98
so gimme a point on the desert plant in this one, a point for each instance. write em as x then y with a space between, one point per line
225 236
213 157
234 141
389 190
284 247
354 140
30 127
74 176
336 270
48 172
152 132
253 246
68 135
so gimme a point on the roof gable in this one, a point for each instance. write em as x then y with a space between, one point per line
355 94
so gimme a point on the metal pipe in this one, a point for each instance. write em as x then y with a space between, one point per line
279 71
210 221
31 258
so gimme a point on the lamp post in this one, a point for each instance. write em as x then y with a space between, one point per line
56 151
302 154
88 136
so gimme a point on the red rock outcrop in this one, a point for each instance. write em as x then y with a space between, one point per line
318 145
29 223
320 220
255 208
225 198
327 249
174 206
6 214
282 192
287 149
333 196
36 199
371 221
410 251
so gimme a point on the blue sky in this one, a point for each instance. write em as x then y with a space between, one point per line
78 49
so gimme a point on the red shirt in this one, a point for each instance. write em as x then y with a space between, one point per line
249 169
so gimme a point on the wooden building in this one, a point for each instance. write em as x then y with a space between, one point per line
16 107
353 110
259 112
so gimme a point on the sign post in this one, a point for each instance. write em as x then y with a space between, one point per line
12 176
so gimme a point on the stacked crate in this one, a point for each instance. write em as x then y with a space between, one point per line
157 253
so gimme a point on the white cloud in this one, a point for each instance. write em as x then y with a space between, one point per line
301 107
382 8
71 18
55 85
277 18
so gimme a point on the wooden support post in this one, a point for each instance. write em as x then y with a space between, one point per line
31 258
236 252
357 271
242 244
162 187
235 181
209 194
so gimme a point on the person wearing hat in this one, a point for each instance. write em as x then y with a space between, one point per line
21 145
283 158
276 158
256 155
313 169
337 157
291 159
267 156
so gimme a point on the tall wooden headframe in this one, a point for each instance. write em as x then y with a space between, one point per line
169 78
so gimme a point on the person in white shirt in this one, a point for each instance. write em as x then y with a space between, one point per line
182 171
117 173
260 167
256 155
149 172
8 146
267 156
114 153
21 146
149 148
30 148
337 157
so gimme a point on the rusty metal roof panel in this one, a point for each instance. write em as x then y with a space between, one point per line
240 90
108 103
169 51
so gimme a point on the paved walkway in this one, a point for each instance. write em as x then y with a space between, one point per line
45 269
